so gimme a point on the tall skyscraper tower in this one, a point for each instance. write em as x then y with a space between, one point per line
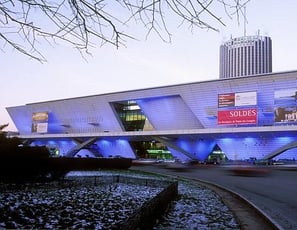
244 56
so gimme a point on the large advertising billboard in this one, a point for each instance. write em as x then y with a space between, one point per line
237 99
40 122
238 116
285 106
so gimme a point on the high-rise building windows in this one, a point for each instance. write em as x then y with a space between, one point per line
245 56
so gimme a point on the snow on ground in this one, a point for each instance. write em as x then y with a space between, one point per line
197 208
80 205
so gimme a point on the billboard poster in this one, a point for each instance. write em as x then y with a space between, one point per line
226 100
285 106
40 117
39 127
285 97
40 122
238 116
246 99
285 114
237 99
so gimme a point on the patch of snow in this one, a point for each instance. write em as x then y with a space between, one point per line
79 205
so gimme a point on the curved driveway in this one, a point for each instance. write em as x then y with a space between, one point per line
275 194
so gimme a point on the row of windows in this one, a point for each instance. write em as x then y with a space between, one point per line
245 60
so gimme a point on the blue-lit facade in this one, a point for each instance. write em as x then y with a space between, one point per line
246 117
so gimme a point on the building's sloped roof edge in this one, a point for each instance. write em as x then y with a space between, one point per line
165 86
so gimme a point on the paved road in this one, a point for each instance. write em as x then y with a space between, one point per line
275 194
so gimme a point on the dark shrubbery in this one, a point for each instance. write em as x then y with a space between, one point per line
21 162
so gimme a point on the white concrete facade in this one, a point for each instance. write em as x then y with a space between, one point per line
184 117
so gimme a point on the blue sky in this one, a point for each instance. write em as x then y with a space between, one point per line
191 56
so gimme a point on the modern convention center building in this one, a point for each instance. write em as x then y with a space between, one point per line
244 117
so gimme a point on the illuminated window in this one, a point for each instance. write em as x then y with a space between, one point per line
131 116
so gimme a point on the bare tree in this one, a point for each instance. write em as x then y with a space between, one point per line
3 127
26 24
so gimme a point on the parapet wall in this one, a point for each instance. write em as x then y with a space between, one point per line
150 211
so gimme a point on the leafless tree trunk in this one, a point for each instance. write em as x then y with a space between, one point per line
25 24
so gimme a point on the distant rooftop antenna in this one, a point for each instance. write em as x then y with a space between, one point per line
245 21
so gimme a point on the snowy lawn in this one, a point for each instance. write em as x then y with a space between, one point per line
79 204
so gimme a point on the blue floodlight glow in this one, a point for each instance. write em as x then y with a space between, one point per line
249 140
178 109
227 140
119 147
285 139
199 148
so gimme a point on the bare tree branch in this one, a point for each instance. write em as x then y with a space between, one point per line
3 127
25 24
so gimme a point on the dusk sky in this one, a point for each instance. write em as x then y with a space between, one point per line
192 56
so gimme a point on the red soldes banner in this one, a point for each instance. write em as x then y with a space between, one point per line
238 116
